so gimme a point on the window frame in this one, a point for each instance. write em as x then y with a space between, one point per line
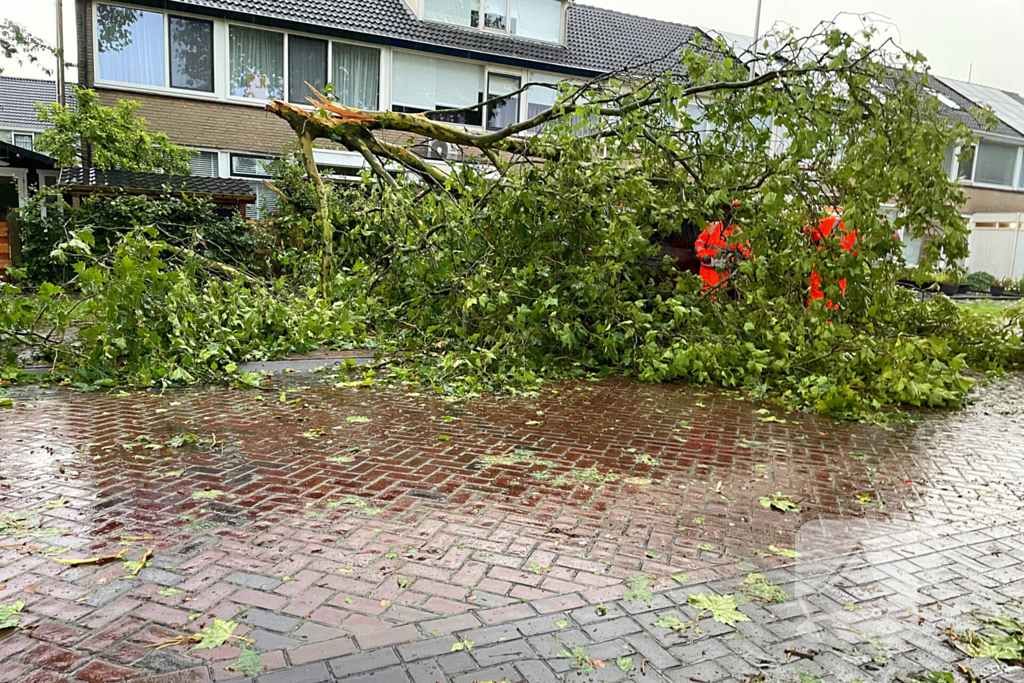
167 49
31 135
1017 180
507 31
503 73
487 70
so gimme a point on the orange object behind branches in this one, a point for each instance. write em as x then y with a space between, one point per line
717 254
847 241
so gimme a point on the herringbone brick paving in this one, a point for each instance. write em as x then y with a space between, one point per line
327 537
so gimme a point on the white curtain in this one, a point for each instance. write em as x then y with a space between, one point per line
257 63
131 45
356 75
307 63
451 11
495 14
995 164
537 19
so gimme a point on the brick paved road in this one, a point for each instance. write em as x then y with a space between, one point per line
334 523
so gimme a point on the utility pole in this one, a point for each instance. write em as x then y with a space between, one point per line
61 97
757 25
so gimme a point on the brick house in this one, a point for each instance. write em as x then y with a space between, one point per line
204 69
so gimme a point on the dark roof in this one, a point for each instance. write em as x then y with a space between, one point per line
598 40
18 97
967 112
154 183
19 157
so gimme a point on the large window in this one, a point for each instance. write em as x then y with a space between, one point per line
307 64
536 19
257 63
191 42
996 164
130 45
426 84
356 75
506 111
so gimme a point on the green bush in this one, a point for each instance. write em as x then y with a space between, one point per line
979 281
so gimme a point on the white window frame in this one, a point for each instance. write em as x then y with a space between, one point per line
430 55
421 11
222 60
20 176
508 73
166 89
31 133
1015 185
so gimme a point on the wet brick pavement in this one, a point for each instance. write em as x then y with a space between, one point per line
353 532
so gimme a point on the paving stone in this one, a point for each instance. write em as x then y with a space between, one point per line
254 581
359 663
326 649
266 641
423 649
426 671
98 671
194 675
309 673
493 673
269 620
395 674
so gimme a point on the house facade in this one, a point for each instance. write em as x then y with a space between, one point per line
205 69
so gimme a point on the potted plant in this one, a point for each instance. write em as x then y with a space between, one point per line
948 281
979 281
1000 286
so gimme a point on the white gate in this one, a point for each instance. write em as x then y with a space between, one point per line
997 246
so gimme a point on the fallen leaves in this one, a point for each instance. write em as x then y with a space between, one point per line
102 559
7 612
781 502
209 637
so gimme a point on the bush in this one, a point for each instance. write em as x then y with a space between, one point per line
979 281
107 219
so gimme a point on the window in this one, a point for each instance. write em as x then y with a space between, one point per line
206 165
307 63
536 19
965 164
191 54
947 160
130 44
250 166
996 164
496 14
458 12
427 84
256 63
505 112
356 75
23 140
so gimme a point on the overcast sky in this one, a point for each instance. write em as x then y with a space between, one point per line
953 34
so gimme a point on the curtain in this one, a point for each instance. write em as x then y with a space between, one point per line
506 112
495 14
452 11
307 63
257 63
131 45
537 19
356 75
995 164
191 54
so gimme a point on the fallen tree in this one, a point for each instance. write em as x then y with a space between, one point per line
537 255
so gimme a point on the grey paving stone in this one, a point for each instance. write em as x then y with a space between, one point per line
266 641
257 581
364 661
269 620
427 671
311 632
658 656
545 624
395 674
423 649
501 633
536 672
704 671
590 614
494 673
516 650
310 673
457 663
160 576
616 628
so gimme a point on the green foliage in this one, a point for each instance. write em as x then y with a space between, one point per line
722 607
979 281
7 612
215 635
625 664
502 279
639 588
117 138
20 45
1002 638
758 587
249 662
580 658
781 502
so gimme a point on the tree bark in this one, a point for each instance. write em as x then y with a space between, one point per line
323 214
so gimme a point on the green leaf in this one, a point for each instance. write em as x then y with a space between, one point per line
207 495
782 503
7 612
463 644
248 662
169 592
722 607
785 552
624 663
216 634
758 587
358 418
